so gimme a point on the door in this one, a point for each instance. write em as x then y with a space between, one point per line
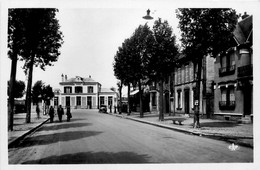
89 102
248 100
187 101
67 101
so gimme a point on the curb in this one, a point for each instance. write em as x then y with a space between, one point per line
18 139
225 138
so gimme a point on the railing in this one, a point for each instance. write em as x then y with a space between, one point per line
223 71
227 105
245 71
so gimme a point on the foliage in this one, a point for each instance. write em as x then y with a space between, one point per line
205 32
19 89
41 92
37 91
164 51
37 33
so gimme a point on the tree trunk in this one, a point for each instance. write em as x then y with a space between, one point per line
161 115
11 93
120 99
196 123
28 91
128 97
141 98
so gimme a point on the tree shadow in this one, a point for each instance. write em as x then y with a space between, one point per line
57 126
54 138
93 158
221 124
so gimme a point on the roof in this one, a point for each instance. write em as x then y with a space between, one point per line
243 30
79 79
106 90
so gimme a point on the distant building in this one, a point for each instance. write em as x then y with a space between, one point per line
79 92
234 75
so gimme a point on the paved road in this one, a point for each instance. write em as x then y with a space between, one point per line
92 137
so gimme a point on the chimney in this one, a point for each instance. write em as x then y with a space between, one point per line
89 76
62 78
245 15
65 77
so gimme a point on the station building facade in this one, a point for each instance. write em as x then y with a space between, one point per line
84 93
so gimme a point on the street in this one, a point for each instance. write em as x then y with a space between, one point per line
95 138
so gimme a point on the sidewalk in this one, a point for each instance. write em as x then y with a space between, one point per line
230 131
21 129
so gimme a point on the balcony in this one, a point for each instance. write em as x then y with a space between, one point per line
245 71
227 105
224 71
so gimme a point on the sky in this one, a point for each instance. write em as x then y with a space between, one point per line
91 40
93 33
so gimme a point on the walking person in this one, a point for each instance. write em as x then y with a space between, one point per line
51 114
38 111
60 113
69 116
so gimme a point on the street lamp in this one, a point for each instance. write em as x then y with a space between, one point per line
148 17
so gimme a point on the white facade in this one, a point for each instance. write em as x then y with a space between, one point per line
84 93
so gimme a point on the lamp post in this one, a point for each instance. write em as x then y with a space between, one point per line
148 17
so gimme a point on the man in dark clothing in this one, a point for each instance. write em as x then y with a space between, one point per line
51 114
60 113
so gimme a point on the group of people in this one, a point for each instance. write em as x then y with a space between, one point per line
60 113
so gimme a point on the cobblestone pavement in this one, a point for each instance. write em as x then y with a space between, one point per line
221 129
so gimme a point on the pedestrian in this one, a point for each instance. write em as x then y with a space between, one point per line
51 114
38 111
60 113
69 116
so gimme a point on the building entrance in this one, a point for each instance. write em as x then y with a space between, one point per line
187 101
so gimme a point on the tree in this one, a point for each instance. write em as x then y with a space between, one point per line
141 43
121 69
160 64
41 40
19 89
37 91
15 41
205 32
47 95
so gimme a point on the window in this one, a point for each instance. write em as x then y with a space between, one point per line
78 89
110 100
227 101
67 89
154 99
179 100
90 89
227 63
78 101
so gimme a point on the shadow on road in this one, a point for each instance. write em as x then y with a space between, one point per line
55 137
93 158
57 126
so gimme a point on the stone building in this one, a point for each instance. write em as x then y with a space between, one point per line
234 76
184 86
84 93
